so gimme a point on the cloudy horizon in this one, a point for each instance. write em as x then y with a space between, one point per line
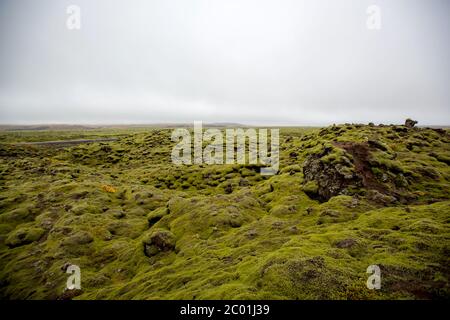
311 62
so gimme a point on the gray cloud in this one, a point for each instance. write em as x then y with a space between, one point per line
249 61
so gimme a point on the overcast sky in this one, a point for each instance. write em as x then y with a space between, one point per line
286 62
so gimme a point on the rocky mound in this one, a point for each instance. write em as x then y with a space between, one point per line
386 163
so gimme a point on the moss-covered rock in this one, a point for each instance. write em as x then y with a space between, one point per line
156 215
22 236
79 238
157 241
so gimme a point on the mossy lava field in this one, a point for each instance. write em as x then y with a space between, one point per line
112 202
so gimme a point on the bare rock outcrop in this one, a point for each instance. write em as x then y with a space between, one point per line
409 123
325 180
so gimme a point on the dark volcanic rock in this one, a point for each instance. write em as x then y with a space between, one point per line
325 178
409 123
330 179
159 241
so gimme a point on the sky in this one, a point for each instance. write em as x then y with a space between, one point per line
271 62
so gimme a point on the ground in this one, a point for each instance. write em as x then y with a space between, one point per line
139 227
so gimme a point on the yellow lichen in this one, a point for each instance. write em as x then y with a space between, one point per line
108 188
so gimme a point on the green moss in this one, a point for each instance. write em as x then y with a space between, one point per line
22 236
310 187
178 232
442 157
156 215
157 241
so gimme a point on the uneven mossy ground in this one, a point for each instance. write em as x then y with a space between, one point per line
140 227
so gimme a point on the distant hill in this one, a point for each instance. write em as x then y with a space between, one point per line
60 127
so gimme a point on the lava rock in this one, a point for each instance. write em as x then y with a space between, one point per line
329 180
159 241
409 123
23 236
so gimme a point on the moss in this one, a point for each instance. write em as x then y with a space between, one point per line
179 235
281 210
310 188
131 228
79 238
442 157
334 156
85 208
17 215
158 240
22 236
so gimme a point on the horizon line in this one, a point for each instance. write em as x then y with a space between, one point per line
189 123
